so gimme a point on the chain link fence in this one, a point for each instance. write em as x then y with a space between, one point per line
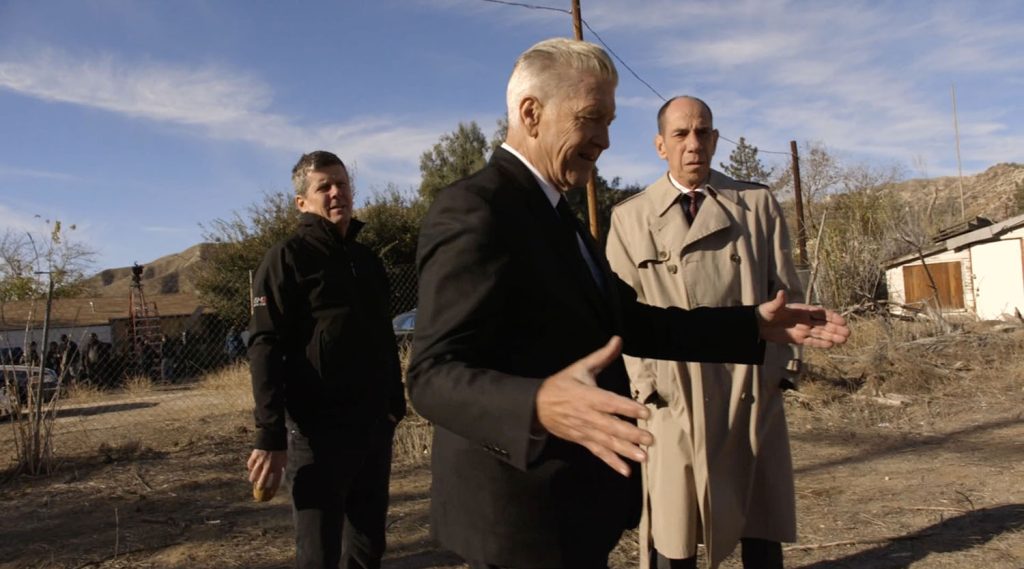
159 374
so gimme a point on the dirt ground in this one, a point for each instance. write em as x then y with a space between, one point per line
933 482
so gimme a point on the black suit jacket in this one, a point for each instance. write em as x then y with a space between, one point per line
503 305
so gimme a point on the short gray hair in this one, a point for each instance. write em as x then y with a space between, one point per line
541 70
312 161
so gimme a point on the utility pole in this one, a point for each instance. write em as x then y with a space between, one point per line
960 171
577 20
595 229
36 456
801 229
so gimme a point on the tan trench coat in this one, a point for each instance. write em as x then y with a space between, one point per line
721 462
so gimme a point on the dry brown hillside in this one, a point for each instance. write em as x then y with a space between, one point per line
988 194
167 275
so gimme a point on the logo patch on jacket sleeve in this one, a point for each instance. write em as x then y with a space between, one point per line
258 301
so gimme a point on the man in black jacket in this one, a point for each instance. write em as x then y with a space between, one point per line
325 375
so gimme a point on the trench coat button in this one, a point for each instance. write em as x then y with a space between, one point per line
663 255
672 269
734 258
743 396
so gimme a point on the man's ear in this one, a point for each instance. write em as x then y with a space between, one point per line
530 110
300 202
659 145
714 141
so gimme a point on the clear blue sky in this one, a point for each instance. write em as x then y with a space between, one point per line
137 121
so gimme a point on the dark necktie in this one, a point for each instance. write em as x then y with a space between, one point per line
568 217
571 227
691 203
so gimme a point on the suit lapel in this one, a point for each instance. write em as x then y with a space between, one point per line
548 224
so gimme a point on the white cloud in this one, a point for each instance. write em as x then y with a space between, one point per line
861 77
158 92
215 102
16 172
631 169
643 103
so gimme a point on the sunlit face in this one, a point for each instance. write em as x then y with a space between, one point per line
328 194
687 141
573 131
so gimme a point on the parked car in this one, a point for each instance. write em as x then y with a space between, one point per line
404 325
17 375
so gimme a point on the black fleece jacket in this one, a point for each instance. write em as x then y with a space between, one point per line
321 348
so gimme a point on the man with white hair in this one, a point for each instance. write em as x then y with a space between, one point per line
516 358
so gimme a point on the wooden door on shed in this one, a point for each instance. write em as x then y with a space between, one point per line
949 284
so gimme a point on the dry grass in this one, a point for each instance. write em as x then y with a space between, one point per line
137 385
412 437
913 365
412 440
80 392
233 377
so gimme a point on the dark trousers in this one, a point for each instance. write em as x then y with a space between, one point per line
757 554
584 549
339 484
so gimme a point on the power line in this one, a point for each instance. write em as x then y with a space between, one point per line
624 64
587 25
530 6
759 150
615 55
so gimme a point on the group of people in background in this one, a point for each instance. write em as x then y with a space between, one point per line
169 358
63 358
548 442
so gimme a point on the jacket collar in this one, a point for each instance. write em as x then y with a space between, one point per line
319 226
665 194
517 169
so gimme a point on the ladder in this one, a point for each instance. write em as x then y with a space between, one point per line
145 332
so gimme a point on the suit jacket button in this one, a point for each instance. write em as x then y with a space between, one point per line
673 269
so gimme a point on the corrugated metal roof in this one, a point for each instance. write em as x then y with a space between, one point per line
960 241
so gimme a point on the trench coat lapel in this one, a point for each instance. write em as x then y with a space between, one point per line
717 212
668 225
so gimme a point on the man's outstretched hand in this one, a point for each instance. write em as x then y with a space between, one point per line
802 324
571 406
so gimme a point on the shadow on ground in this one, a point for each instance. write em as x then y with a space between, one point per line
960 533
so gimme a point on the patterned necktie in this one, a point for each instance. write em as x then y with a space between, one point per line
692 201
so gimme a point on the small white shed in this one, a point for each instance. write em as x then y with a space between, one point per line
977 270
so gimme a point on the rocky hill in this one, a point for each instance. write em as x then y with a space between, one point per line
990 194
170 274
